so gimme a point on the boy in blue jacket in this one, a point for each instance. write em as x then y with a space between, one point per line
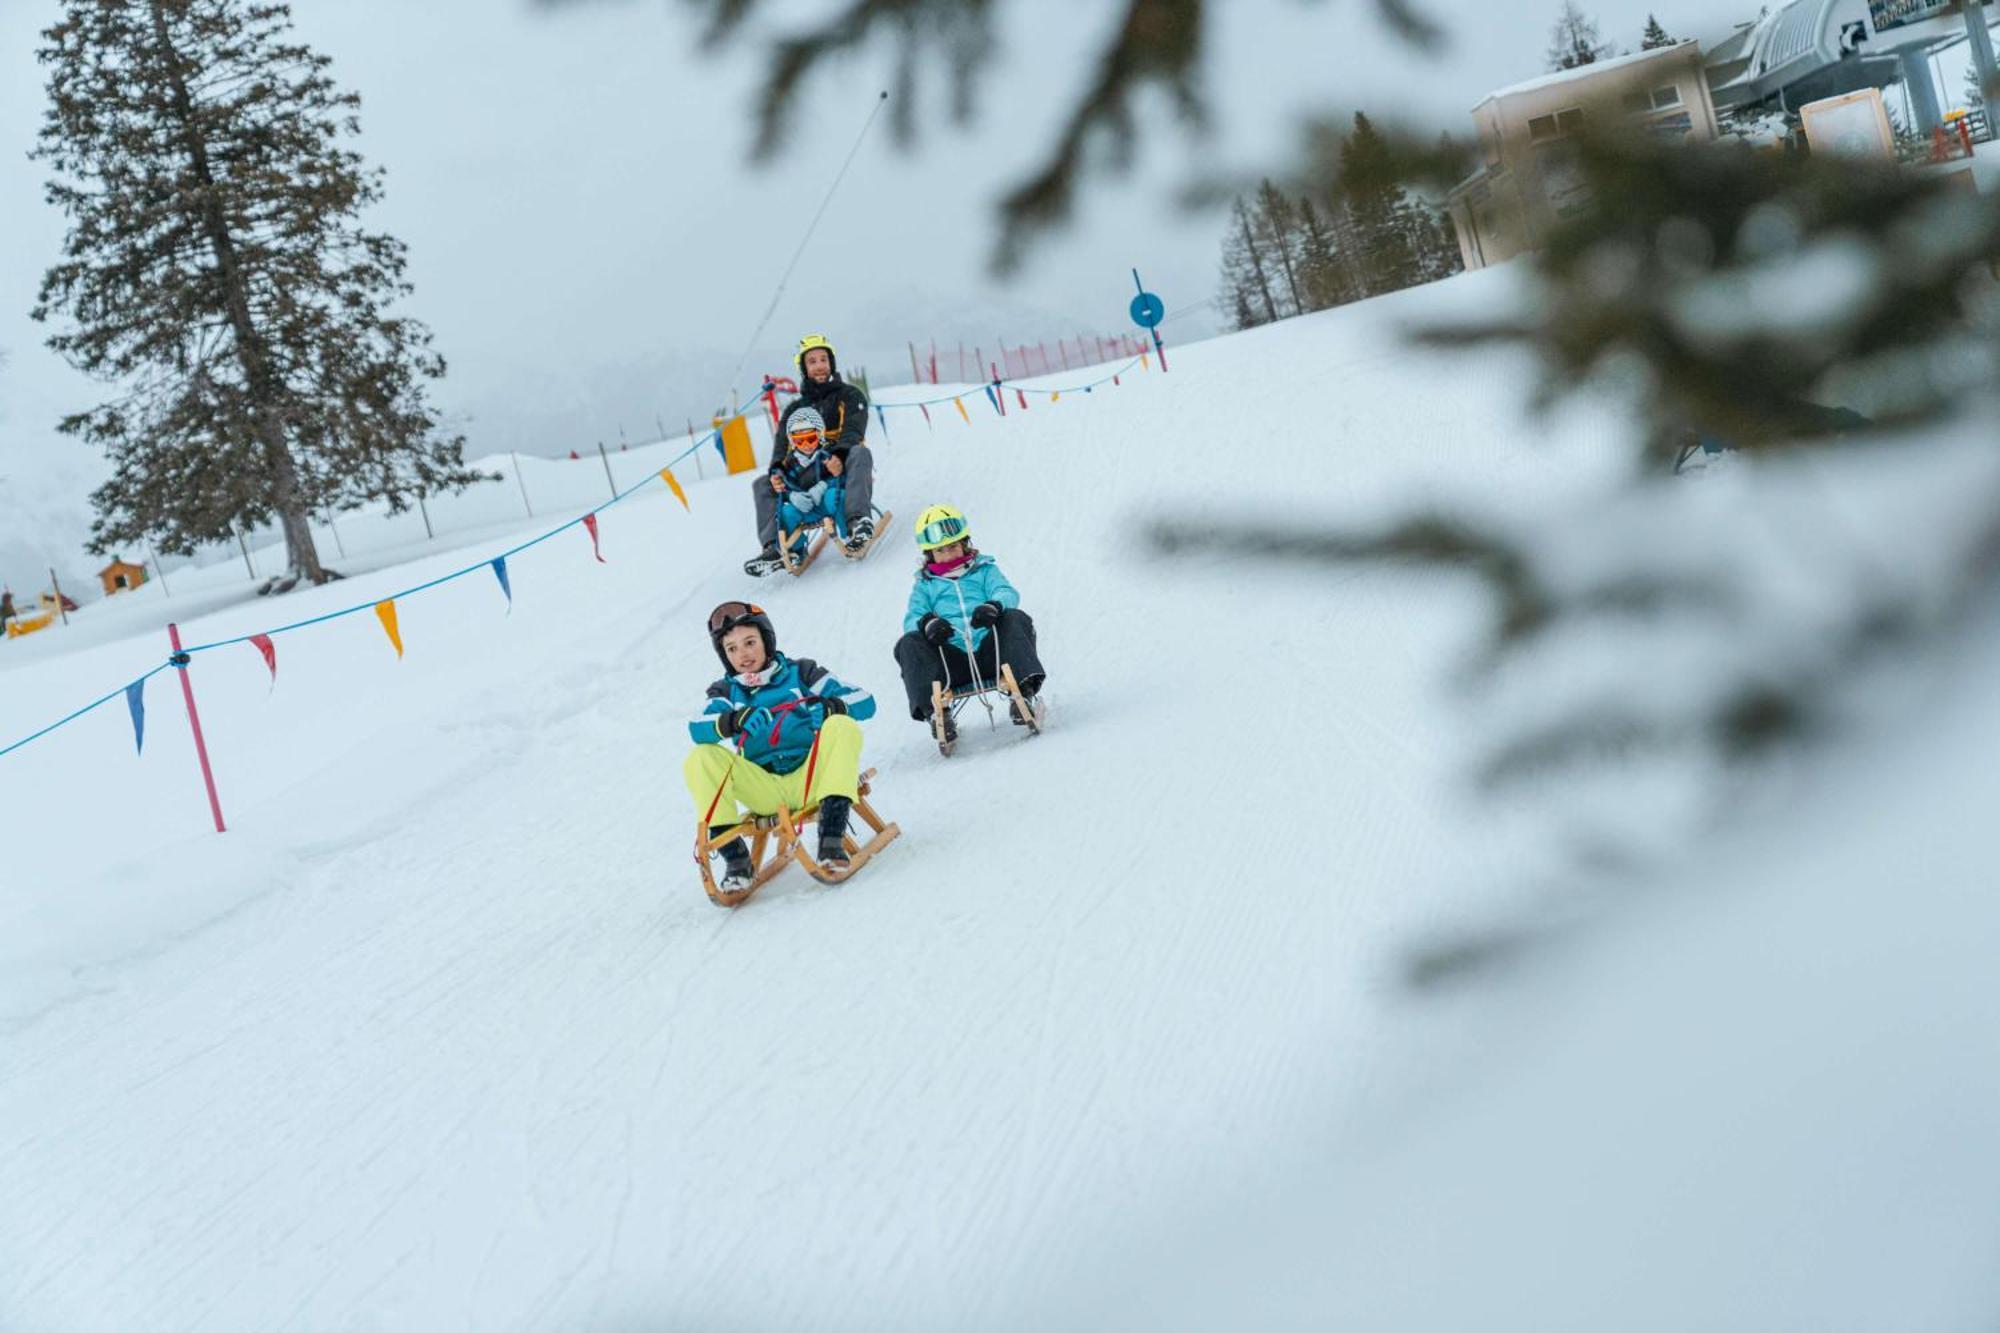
964 620
775 731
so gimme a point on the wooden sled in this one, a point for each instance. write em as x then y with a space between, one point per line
881 526
789 830
945 703
789 543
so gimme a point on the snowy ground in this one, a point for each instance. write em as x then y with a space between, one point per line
444 1033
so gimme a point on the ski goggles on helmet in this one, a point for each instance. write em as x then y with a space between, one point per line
807 440
729 615
941 532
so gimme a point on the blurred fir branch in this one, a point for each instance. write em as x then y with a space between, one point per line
1155 44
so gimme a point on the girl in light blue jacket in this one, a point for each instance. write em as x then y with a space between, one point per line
964 619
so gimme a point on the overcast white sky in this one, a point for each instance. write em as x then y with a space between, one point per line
591 247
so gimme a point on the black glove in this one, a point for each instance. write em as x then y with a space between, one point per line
985 614
834 707
936 629
728 724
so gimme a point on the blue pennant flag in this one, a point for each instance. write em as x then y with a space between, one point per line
882 415
500 572
721 451
135 699
993 398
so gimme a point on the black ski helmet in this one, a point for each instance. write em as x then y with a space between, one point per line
730 615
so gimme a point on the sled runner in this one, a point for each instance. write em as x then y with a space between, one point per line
945 704
811 540
789 831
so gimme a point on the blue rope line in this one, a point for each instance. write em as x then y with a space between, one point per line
620 496
89 707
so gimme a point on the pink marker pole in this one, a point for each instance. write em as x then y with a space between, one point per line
180 661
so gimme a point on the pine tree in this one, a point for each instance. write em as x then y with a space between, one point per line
1324 271
1246 280
1654 36
215 268
1573 41
1277 228
1375 207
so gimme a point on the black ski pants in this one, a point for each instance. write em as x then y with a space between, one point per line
1011 641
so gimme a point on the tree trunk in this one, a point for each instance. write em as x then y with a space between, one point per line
301 555
1256 264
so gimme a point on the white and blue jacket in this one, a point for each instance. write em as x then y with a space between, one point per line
780 735
954 596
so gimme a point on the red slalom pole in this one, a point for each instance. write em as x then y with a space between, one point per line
180 662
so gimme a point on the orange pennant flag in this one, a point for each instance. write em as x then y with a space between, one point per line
959 403
385 611
667 475
1144 364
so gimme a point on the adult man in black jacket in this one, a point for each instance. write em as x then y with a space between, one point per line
844 408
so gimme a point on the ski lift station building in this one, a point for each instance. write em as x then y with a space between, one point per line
1794 54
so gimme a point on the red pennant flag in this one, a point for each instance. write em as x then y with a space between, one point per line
927 416
270 652
1114 382
572 454
590 526
1023 397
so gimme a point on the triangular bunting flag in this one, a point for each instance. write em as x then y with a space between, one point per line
1144 364
882 415
1114 382
673 484
135 699
499 563
269 651
959 403
1023 397
385 611
927 416
1056 397
590 526
994 399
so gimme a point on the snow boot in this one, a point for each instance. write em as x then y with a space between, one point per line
832 829
1020 710
766 561
736 871
860 533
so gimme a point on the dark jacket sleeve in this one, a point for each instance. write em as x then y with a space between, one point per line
850 407
781 443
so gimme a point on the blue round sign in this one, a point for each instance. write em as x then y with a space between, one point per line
1148 310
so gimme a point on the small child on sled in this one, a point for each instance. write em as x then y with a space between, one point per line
775 731
808 491
964 621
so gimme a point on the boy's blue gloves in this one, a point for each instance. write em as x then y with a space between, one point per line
935 628
985 615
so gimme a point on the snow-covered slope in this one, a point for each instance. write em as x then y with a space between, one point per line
444 1033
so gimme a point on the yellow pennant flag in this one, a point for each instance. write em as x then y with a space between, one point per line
385 611
1056 397
959 403
667 475
1144 364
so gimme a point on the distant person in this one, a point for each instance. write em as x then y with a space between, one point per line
7 611
843 412
964 621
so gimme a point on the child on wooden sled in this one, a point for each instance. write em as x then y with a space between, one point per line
776 731
964 622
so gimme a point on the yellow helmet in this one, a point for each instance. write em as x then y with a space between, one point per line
807 344
941 525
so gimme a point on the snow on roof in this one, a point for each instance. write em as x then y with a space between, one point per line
1585 71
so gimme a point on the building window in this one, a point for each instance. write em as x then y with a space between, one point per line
1666 97
1555 126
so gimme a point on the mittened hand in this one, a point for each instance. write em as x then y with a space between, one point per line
834 707
936 629
986 614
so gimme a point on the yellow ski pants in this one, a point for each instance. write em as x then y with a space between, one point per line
720 780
